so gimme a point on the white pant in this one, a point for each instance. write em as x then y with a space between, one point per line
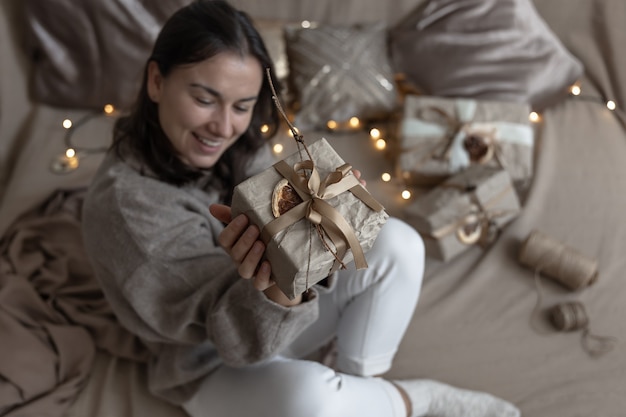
368 312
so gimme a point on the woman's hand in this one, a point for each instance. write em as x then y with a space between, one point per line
357 174
241 241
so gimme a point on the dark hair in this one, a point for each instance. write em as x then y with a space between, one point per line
194 33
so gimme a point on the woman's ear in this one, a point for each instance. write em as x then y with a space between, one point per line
154 81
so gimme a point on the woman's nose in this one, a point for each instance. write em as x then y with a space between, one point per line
221 123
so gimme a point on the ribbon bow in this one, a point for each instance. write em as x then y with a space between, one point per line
455 128
314 191
479 224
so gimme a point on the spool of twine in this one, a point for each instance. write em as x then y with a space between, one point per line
572 316
569 316
558 261
575 271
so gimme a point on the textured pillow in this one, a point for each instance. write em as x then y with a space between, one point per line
272 33
493 49
90 53
339 71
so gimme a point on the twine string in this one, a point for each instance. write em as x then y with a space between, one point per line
563 264
300 145
544 253
328 222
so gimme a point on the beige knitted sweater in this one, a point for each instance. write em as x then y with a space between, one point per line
154 251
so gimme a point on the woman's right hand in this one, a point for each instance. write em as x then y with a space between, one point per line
241 241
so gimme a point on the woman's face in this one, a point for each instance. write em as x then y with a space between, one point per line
205 107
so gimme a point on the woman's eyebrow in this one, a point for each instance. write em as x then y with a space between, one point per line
217 94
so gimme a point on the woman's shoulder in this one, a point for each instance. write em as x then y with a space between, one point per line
124 201
122 175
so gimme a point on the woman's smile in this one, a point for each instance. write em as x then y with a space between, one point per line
205 107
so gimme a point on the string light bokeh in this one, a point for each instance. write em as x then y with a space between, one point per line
69 160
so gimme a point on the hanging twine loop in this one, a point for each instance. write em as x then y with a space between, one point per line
574 271
335 233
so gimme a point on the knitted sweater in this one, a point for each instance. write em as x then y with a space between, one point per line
154 250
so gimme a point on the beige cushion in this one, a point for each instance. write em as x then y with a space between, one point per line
339 71
495 49
91 53
594 31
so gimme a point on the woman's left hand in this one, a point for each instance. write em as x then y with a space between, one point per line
357 174
240 240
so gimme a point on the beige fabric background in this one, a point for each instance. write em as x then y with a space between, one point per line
471 326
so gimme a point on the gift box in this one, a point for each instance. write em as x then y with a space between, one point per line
439 137
468 209
314 216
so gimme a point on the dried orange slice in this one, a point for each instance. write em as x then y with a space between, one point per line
284 198
470 231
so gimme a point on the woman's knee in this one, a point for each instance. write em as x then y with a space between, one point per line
400 240
305 389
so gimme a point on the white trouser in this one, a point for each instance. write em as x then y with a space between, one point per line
368 312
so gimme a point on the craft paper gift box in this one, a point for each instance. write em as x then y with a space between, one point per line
349 217
469 208
439 137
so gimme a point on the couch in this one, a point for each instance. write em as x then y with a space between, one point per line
479 323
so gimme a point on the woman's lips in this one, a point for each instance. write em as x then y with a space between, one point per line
208 143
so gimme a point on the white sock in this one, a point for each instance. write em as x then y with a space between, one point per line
432 398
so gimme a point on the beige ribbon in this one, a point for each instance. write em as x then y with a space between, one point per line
314 191
481 215
443 118
453 126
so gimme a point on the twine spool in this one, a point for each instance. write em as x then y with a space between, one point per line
573 270
558 261
572 316
569 316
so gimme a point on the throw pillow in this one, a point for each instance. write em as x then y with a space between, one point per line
492 49
91 53
339 71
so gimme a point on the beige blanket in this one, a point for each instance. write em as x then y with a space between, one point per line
53 316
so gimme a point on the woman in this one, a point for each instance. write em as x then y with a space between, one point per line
191 283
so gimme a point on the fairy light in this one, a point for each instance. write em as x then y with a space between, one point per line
305 24
109 109
265 129
406 194
354 122
381 144
386 177
331 124
375 133
290 132
68 161
534 117
278 148
576 92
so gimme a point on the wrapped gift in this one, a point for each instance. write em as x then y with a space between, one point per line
468 209
314 216
440 137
